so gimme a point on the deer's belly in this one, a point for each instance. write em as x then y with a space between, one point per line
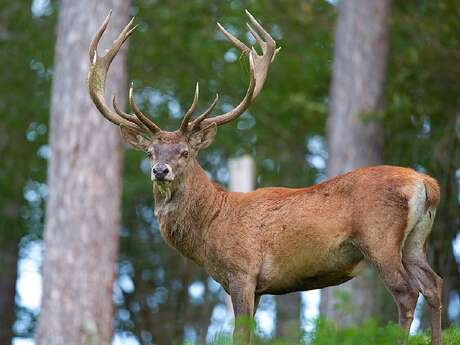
309 269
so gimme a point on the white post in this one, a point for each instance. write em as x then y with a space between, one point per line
242 174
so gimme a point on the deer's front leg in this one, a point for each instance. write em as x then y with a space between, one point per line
242 292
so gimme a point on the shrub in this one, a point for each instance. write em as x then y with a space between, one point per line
368 333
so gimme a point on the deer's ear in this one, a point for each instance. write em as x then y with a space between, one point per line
134 138
203 138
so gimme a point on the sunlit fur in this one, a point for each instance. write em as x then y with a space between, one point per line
279 240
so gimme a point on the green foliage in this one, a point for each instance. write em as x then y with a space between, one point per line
327 333
177 44
24 104
423 85
367 333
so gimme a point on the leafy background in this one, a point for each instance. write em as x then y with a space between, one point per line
177 44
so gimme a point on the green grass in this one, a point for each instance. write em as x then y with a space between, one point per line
369 333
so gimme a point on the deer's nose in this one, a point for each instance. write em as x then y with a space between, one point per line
160 171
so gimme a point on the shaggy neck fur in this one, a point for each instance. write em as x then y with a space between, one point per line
185 208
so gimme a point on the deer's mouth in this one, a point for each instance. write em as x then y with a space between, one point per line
164 188
162 179
162 182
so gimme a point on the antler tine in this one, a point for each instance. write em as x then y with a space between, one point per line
126 116
255 34
122 37
266 36
259 65
188 115
143 118
269 41
235 41
98 73
269 51
195 123
240 108
97 38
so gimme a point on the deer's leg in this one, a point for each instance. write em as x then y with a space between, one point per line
430 285
397 281
388 262
427 281
242 292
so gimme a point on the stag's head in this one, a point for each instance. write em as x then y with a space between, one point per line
171 153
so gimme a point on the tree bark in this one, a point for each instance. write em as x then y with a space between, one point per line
83 210
354 134
8 276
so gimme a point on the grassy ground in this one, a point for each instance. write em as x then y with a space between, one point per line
369 333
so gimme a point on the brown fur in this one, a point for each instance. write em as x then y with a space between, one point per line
279 240
432 192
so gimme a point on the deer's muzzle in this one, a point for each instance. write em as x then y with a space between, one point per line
162 172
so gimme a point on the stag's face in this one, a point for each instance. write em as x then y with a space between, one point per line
168 158
170 153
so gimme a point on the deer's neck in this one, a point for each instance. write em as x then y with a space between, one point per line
186 210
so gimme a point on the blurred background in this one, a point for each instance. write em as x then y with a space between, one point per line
409 95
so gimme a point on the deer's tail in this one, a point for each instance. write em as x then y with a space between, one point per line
432 192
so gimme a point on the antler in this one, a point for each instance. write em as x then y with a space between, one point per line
186 125
97 77
258 70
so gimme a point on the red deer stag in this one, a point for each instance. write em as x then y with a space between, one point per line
279 240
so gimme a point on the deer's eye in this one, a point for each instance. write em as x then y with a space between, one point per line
149 154
184 154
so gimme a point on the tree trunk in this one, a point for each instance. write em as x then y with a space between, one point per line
83 210
8 275
288 316
354 134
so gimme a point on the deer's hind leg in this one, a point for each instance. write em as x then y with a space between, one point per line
382 247
426 280
397 280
